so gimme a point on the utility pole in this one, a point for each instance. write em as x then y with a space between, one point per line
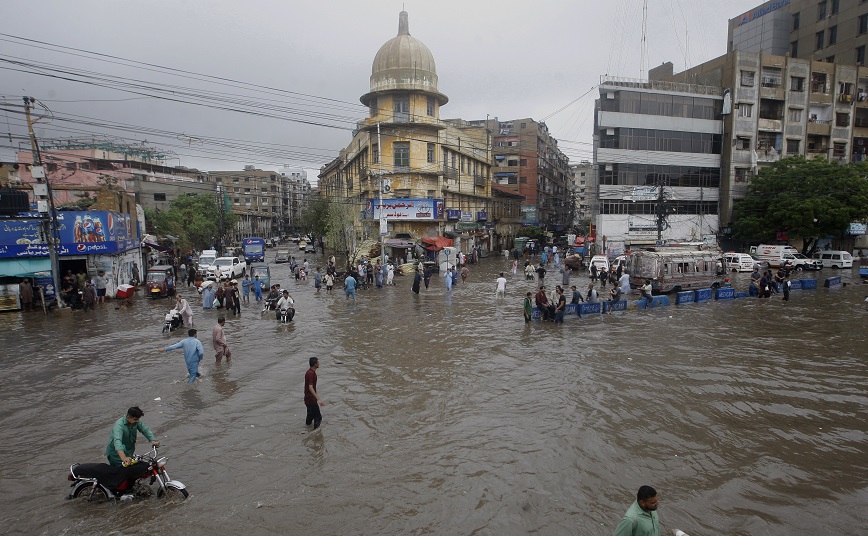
384 225
661 211
44 190
222 207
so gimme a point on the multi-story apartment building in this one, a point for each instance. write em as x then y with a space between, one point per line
657 149
582 190
295 190
254 195
527 160
434 175
782 107
825 30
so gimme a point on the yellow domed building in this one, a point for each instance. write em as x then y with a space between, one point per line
435 175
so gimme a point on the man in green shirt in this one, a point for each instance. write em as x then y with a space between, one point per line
122 442
641 517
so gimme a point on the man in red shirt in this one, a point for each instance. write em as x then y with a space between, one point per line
542 301
311 398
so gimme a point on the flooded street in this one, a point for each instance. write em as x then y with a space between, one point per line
447 415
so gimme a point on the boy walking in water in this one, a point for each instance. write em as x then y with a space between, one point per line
311 398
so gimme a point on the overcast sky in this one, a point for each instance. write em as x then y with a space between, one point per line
504 59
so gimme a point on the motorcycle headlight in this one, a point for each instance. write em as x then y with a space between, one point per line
162 462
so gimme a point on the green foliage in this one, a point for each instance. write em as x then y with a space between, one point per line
314 217
340 229
194 219
807 199
531 231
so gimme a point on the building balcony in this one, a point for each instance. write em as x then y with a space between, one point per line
817 152
860 131
820 98
772 91
846 99
400 119
770 124
822 127
479 180
450 172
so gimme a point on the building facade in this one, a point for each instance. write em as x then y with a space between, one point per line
657 150
528 161
433 175
782 107
582 190
823 30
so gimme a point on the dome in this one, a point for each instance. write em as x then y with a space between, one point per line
404 63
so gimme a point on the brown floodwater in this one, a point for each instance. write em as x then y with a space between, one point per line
446 414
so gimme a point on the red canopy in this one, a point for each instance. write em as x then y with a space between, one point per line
436 243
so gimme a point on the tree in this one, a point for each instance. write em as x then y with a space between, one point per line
194 219
807 199
531 231
314 218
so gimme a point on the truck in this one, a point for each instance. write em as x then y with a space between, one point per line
253 249
206 259
784 256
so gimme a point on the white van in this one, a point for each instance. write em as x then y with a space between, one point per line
835 259
600 261
206 260
738 262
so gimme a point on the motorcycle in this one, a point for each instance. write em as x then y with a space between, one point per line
286 315
173 321
100 482
270 304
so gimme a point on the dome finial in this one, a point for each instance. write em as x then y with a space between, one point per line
403 24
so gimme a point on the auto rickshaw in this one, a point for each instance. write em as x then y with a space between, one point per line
156 280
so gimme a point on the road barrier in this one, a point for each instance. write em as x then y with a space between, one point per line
585 309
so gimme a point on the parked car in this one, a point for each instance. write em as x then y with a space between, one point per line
762 264
227 268
282 255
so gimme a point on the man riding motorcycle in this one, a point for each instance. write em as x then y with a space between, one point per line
122 442
283 303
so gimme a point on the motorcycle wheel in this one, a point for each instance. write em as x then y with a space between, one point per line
83 493
173 494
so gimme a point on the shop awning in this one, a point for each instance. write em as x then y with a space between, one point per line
436 243
24 267
398 243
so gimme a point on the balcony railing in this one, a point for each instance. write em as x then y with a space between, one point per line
479 180
450 172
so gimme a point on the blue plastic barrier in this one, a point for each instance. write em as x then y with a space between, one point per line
620 305
808 284
703 295
656 301
742 294
571 309
833 282
795 284
724 293
684 297
588 309
536 314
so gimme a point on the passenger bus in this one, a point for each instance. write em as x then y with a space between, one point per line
253 249
674 270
